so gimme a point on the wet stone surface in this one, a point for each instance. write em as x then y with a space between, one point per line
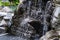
11 37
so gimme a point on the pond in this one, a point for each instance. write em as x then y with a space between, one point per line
10 37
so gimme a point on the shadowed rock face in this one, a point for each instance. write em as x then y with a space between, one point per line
37 26
56 39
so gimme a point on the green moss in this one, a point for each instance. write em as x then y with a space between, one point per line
0 3
6 3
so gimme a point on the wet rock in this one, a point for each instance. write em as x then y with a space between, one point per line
51 35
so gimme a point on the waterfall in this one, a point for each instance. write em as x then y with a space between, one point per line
31 19
46 15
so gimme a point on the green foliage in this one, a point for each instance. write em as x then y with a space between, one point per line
1 3
5 3
14 2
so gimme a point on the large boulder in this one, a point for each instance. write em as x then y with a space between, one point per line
51 35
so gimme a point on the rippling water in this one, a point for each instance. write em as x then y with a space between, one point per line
10 37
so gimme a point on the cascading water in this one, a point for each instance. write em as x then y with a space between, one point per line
47 16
